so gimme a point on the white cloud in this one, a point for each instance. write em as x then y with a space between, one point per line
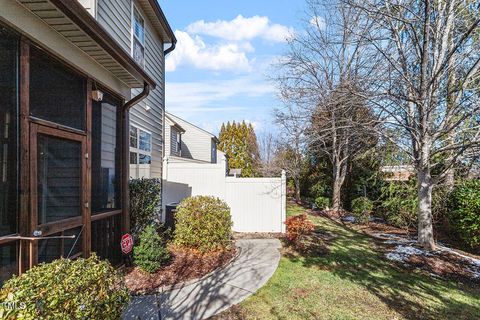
211 96
241 29
194 51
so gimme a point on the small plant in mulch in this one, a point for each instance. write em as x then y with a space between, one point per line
150 254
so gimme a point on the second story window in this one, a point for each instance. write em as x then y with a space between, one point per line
138 37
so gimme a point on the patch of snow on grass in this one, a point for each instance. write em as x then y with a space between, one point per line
403 252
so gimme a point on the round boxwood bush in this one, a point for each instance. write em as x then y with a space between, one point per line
203 223
65 289
362 208
322 203
151 252
464 211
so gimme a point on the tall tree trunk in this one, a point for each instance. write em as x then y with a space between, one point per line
425 220
338 178
298 197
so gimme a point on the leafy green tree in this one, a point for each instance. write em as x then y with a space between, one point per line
239 142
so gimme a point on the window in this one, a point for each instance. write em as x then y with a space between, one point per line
214 151
56 93
179 143
105 156
138 37
133 137
140 146
175 142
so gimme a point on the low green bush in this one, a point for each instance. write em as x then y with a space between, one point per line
398 203
151 253
464 211
322 203
145 196
362 208
203 223
65 289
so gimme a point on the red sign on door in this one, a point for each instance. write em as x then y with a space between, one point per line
127 243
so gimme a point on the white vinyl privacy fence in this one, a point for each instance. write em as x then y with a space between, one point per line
256 204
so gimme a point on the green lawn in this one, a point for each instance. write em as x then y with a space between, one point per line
353 281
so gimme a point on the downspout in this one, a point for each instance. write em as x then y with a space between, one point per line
171 48
126 154
165 163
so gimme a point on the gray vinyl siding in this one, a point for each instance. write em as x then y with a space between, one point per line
152 120
116 17
196 143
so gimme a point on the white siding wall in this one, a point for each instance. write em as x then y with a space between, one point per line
256 204
168 132
196 143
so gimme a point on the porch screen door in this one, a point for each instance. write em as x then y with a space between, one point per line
58 179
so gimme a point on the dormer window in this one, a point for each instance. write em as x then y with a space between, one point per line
175 142
138 37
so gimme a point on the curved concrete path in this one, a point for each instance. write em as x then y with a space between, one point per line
224 288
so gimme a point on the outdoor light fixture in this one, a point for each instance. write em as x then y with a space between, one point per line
97 95
147 107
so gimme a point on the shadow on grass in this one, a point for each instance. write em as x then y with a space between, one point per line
353 256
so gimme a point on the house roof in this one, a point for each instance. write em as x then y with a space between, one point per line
70 19
159 21
175 124
398 168
172 117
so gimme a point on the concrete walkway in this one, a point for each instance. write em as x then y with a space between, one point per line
256 263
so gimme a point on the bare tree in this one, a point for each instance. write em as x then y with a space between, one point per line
326 63
289 154
429 90
268 144
341 128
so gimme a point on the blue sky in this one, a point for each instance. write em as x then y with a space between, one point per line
224 52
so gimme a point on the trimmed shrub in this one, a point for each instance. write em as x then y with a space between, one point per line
322 203
464 211
297 228
65 289
362 208
203 223
150 254
145 195
398 203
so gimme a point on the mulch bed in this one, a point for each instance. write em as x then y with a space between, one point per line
184 265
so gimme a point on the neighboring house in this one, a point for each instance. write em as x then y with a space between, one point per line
187 141
69 76
397 173
193 166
